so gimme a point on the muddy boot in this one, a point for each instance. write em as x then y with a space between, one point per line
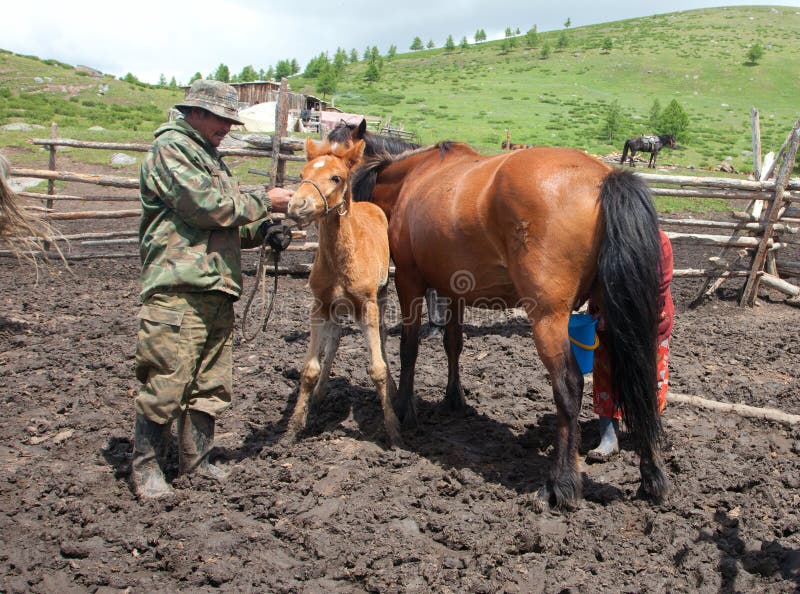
609 446
149 441
195 441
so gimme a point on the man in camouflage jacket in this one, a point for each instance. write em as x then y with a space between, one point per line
195 220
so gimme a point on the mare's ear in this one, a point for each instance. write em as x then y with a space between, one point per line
362 128
355 153
313 149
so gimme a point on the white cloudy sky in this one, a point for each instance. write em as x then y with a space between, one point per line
153 37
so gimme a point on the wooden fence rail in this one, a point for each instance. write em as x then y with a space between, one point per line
755 235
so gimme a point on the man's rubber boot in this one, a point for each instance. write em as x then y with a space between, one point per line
149 445
609 445
195 441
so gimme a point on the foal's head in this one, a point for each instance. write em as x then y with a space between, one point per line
324 187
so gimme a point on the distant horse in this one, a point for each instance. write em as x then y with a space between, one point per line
514 147
349 276
539 229
379 144
647 144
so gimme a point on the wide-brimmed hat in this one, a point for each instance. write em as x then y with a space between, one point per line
215 96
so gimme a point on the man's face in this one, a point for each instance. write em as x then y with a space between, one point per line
212 127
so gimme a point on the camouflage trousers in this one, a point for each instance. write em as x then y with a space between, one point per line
183 354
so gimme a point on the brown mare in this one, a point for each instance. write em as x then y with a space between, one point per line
540 229
348 279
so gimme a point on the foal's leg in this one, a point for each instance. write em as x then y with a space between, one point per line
330 344
564 486
378 369
310 376
454 344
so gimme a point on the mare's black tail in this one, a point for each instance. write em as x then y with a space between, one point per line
629 273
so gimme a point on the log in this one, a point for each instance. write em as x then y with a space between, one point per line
92 214
753 227
713 193
103 198
85 178
770 414
263 149
707 273
717 182
723 240
780 285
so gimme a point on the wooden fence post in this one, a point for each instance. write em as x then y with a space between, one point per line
751 287
51 184
756 128
281 122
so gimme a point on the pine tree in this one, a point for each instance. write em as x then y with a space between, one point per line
532 37
449 45
222 73
416 44
674 120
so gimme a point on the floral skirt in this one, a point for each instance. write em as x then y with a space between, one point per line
605 404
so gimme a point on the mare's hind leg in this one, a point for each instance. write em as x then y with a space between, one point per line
454 344
323 335
564 486
378 369
633 152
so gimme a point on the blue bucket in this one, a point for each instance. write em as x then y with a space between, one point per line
584 339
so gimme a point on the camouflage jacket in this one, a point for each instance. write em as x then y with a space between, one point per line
195 220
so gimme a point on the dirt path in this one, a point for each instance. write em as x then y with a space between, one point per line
337 512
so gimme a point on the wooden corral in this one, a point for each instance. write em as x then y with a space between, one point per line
750 242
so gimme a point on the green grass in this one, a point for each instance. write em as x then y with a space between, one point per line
695 57
476 94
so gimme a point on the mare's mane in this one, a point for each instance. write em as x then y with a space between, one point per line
366 175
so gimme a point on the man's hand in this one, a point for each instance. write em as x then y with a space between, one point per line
278 236
279 198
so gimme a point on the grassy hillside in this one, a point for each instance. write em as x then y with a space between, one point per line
476 94
696 57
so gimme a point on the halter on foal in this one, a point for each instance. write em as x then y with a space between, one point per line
349 276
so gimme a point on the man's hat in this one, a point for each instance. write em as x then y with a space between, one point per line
215 96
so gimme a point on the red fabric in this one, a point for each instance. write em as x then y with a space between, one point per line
602 396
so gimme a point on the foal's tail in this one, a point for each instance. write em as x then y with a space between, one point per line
625 150
629 273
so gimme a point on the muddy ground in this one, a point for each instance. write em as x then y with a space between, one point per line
338 511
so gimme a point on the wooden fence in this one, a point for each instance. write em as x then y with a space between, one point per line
749 241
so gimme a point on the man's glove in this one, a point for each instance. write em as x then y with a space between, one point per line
278 236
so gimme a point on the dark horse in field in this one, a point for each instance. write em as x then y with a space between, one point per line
541 229
379 144
647 144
